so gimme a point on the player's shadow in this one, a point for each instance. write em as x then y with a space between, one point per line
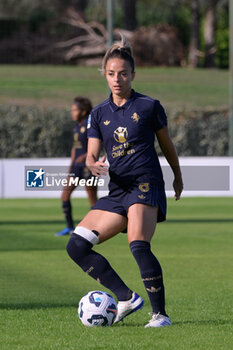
32 222
216 322
34 306
198 220
169 221
204 322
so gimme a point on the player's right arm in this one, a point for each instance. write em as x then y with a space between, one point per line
96 166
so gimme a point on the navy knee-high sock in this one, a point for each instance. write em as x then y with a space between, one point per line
151 274
67 210
96 266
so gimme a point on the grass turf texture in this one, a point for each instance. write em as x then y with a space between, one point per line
40 286
57 85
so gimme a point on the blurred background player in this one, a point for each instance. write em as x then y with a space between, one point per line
80 110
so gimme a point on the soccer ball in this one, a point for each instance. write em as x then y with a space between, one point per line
97 309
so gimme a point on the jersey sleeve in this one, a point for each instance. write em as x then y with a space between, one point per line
159 117
93 129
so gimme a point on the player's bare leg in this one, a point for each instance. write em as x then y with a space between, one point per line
92 194
106 223
142 220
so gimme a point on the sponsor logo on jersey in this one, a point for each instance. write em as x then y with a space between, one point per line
144 187
107 122
120 134
135 117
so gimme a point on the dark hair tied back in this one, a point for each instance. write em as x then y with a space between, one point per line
83 103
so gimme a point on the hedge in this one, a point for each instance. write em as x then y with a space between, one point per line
34 132
200 132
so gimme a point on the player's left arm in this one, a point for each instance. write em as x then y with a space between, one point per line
170 154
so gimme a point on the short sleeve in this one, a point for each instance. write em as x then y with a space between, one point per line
93 129
159 118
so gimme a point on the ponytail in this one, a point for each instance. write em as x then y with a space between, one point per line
123 50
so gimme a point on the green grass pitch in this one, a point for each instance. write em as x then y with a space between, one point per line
40 286
56 86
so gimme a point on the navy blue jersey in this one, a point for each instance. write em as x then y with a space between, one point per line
80 138
128 134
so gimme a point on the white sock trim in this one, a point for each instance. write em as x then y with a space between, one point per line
87 234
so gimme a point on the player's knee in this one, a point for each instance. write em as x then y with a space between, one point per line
77 247
80 243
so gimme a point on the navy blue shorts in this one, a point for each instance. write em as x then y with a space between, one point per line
81 171
142 189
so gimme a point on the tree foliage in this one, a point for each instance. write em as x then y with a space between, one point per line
132 15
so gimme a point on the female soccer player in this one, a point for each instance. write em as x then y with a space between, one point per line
126 123
80 110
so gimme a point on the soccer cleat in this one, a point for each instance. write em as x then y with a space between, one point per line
66 231
158 321
125 308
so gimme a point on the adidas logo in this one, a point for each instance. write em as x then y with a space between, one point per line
141 196
89 270
107 122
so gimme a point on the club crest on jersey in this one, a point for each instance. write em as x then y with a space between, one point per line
120 134
107 122
82 129
89 122
135 117
144 187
